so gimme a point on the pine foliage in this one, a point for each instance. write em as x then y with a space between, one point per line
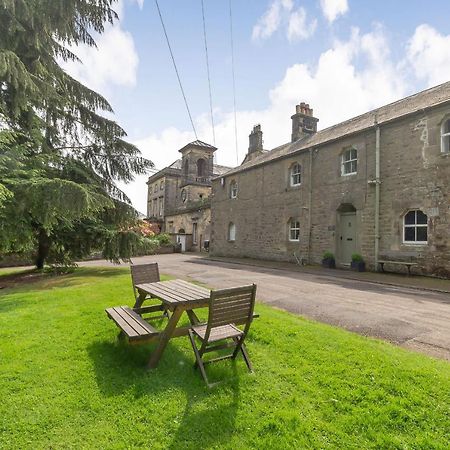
60 158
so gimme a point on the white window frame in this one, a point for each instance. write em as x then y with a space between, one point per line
349 161
233 189
161 186
294 227
445 137
194 233
231 232
295 176
415 225
161 206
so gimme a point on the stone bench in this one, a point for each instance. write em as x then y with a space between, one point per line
408 265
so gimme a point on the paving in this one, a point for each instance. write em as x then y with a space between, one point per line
411 312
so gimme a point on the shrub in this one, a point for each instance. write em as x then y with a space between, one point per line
163 239
328 255
356 257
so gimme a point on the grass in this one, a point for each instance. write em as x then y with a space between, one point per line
67 382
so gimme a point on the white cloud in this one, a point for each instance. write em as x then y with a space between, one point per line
298 27
428 52
113 63
270 21
338 87
333 8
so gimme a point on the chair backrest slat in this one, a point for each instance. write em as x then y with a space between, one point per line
232 305
144 273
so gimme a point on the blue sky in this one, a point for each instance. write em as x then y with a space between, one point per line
344 57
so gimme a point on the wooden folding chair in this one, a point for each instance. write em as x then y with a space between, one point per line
141 274
226 306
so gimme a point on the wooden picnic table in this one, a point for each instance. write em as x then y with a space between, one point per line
178 296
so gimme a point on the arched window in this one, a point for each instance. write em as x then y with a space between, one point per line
201 167
231 232
233 189
294 230
349 162
445 136
415 227
296 174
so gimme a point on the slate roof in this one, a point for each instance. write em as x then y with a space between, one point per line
175 169
431 97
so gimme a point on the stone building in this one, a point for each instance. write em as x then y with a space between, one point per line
179 196
377 185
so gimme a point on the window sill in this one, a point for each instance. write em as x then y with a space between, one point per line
231 241
416 244
349 174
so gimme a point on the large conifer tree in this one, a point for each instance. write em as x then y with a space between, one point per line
59 157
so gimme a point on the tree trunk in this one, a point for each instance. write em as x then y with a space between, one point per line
43 248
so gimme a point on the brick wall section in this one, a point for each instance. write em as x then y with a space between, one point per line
414 175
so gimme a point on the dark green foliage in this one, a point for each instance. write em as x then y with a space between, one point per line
356 257
328 255
60 158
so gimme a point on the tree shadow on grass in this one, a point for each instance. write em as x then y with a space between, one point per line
209 417
30 280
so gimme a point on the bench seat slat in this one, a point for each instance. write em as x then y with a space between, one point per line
133 325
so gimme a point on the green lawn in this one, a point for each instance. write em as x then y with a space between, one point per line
67 382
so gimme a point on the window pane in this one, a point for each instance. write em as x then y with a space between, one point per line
353 153
447 126
410 234
353 166
422 234
410 218
422 218
446 144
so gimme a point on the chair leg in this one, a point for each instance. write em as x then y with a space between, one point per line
199 361
241 347
246 358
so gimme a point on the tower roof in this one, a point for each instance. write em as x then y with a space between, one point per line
199 144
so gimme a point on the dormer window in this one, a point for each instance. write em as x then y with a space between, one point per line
233 189
349 162
445 137
296 175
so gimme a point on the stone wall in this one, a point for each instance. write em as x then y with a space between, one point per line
201 216
414 175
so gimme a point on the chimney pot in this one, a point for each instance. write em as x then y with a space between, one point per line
303 126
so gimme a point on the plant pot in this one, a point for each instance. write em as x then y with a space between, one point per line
329 263
358 266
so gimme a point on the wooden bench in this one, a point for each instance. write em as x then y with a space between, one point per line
398 263
133 326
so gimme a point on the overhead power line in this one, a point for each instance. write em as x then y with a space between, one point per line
207 70
176 69
234 84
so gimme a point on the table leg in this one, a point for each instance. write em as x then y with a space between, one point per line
140 299
164 338
193 317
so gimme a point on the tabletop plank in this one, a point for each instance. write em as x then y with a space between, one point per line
189 287
176 292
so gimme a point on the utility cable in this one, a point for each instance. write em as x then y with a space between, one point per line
209 77
176 70
234 84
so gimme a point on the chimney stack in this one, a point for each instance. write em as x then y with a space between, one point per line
303 122
255 140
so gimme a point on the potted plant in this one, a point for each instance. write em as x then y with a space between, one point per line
328 260
358 263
